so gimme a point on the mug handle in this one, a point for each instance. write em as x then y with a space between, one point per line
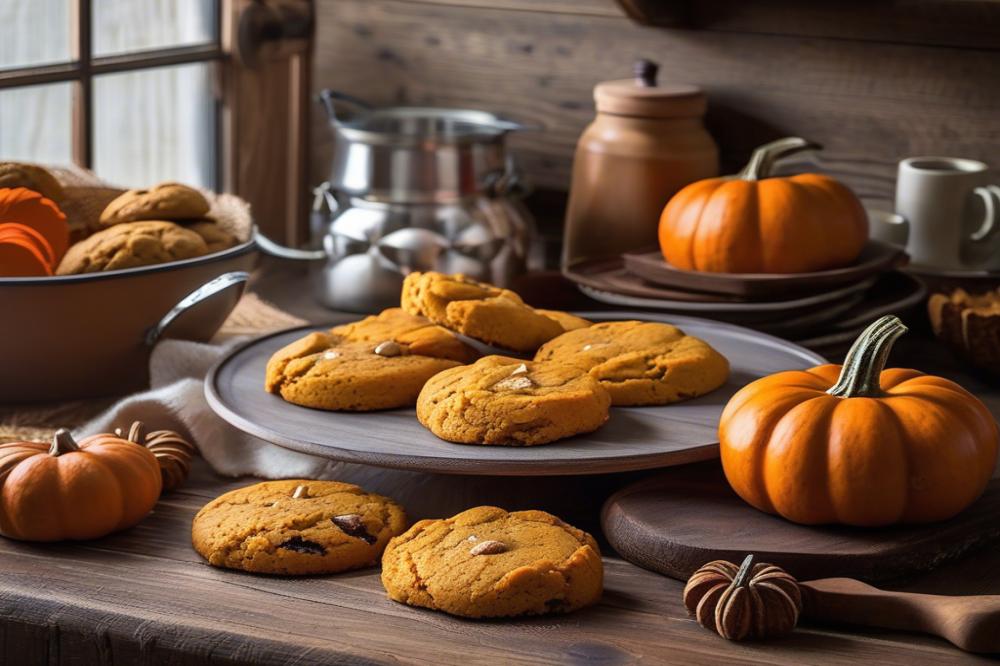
990 194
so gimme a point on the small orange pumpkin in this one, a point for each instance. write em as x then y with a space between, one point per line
75 491
23 253
31 209
753 223
858 445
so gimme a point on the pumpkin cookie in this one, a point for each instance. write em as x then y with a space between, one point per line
166 201
505 401
486 562
481 311
131 245
331 371
641 363
416 333
216 238
31 176
296 527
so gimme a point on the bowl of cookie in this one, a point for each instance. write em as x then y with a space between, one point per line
91 275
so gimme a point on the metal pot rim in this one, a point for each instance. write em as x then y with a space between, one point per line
470 126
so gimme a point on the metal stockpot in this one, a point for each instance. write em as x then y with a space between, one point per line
413 189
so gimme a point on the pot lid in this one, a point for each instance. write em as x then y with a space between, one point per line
643 97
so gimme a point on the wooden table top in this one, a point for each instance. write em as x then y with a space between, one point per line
145 596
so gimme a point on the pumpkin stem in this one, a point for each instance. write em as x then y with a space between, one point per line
743 576
859 377
62 442
763 158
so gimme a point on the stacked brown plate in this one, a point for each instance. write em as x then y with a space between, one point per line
824 310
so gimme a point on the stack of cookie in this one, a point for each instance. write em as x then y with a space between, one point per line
167 222
483 562
424 354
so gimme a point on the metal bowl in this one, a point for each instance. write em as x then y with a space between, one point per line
83 336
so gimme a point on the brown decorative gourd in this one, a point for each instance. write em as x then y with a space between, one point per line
738 603
173 452
755 223
970 325
857 445
66 490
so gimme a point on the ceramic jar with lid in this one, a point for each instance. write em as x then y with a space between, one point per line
646 143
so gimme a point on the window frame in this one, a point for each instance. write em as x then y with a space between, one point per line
83 67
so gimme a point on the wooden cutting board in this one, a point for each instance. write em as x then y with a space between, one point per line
679 519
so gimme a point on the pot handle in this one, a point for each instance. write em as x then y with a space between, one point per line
329 98
205 291
268 246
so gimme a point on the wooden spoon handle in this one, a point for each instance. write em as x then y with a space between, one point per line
971 623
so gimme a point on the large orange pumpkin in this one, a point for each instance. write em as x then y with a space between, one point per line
858 445
753 223
75 491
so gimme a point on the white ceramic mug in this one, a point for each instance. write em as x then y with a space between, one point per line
952 211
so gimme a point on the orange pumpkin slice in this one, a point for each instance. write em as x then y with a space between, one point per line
15 230
31 209
20 257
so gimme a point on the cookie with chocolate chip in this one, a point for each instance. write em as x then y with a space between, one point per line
506 401
486 562
296 527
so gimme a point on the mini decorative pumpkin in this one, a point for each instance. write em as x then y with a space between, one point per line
31 209
173 452
753 223
858 445
24 252
75 491
751 601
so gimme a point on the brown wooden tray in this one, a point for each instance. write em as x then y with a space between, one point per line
634 437
680 519
877 257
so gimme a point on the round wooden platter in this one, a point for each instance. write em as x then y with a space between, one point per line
634 437
679 519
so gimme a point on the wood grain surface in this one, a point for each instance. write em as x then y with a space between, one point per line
634 437
873 82
145 597
678 520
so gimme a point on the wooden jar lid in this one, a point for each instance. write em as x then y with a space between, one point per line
643 97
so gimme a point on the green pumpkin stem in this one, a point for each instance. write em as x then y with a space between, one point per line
763 158
62 442
862 369
743 576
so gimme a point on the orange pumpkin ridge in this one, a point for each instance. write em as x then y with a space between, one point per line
753 223
75 491
857 444
31 209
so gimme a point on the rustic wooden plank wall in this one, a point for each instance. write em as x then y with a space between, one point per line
872 81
